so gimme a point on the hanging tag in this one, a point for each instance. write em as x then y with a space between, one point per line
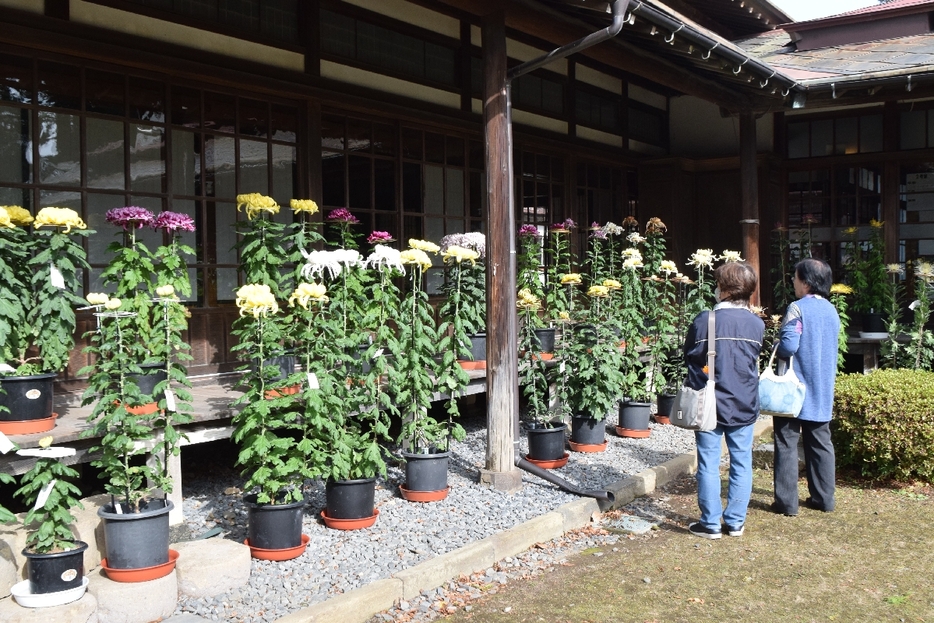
56 278
313 381
5 444
378 353
6 368
561 368
44 494
170 400
118 508
914 305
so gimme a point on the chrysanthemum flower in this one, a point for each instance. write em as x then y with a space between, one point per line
598 291
655 226
303 205
257 300
635 238
166 291
416 257
385 258
423 245
668 267
876 224
256 203
925 270
174 221
612 284
702 258
5 218
527 300
306 292
632 252
632 263
342 215
130 217
528 230
18 216
113 304
895 269
571 279
841 288
474 240
59 217
731 256
317 262
380 237
564 316
612 229
460 254
97 298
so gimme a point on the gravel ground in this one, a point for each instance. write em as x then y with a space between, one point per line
405 533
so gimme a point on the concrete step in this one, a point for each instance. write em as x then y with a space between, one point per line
133 602
209 567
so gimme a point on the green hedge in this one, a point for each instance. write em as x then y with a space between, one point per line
884 423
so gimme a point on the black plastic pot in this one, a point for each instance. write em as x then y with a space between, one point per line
586 334
426 472
547 444
274 526
478 346
350 499
546 340
665 402
635 415
26 397
137 540
873 323
153 374
51 573
587 430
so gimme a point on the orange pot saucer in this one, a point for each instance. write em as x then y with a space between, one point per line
632 433
349 524
286 553
141 575
549 463
424 496
589 447
27 427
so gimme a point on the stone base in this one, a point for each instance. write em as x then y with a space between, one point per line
209 567
82 611
133 602
509 482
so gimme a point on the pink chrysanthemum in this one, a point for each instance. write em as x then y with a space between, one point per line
130 217
342 215
380 237
528 230
174 221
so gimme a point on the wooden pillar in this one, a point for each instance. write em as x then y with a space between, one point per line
891 181
502 382
749 183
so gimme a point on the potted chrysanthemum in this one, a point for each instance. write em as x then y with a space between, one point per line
472 288
38 281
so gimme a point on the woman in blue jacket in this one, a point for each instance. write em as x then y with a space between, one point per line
809 333
738 335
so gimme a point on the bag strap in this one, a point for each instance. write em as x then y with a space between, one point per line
791 360
711 346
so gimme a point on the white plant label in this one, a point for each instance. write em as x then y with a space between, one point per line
55 277
378 353
169 400
6 368
914 305
118 508
5 444
33 394
561 368
44 494
69 574
313 381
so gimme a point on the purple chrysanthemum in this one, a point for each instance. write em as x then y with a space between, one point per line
380 237
598 233
528 230
174 221
342 215
569 223
130 217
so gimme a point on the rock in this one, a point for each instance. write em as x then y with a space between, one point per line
211 567
83 610
136 602
8 575
89 528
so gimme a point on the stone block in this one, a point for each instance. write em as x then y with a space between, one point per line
133 602
578 513
8 569
520 538
83 610
435 572
209 567
89 528
356 606
185 618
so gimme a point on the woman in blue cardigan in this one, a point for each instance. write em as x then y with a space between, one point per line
809 333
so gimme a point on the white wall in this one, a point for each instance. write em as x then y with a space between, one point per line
698 130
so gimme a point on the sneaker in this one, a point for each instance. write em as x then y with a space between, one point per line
734 530
705 533
810 503
779 510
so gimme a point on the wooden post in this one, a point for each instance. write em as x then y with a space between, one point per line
502 380
749 183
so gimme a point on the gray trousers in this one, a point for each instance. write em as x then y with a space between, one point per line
819 463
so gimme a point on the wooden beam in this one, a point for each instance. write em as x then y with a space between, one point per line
502 379
749 184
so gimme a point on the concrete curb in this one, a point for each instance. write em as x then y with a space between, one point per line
359 605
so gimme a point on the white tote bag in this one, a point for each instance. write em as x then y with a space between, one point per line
696 409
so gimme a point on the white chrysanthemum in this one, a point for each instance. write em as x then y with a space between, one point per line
731 256
317 262
631 252
702 258
612 229
668 267
632 263
385 258
635 238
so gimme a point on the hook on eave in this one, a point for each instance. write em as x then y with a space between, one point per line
909 87
833 90
671 38
707 54
740 68
765 83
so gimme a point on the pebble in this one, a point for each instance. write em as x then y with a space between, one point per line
407 534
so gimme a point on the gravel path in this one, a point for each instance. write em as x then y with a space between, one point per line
405 534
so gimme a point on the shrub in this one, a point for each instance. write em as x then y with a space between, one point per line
884 423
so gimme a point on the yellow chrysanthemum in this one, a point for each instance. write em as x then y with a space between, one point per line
841 288
45 442
256 300
304 205
925 270
256 203
895 269
564 316
571 279
598 291
876 224
612 284
460 254
306 292
527 300
5 218
423 245
850 231
113 304
97 298
165 291
59 217
668 267
415 257
19 216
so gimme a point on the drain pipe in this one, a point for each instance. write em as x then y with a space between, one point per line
619 18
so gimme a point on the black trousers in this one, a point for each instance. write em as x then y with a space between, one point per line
819 463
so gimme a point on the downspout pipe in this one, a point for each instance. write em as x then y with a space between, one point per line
619 18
